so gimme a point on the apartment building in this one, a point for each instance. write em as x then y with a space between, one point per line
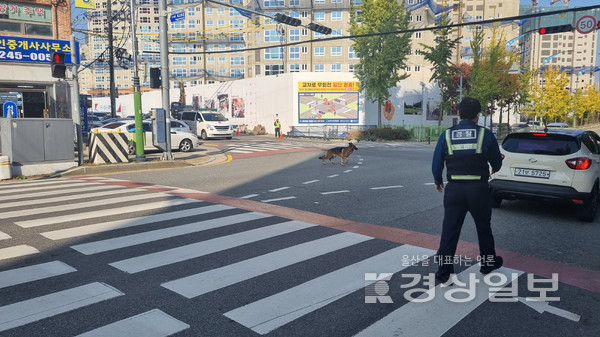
572 52
203 45
30 30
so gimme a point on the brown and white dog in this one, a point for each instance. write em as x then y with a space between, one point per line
342 152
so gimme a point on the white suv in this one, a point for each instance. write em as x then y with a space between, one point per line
559 164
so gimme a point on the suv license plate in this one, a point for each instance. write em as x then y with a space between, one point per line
532 173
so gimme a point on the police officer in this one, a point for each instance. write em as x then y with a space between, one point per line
277 125
466 149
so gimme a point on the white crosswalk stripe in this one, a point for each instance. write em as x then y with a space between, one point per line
149 243
272 312
16 251
33 273
38 308
198 284
153 323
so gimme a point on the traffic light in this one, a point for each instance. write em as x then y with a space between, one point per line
454 109
155 81
58 65
319 29
598 25
287 20
556 29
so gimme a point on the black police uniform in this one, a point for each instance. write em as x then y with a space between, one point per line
466 149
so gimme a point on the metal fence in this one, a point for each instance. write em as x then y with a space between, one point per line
327 131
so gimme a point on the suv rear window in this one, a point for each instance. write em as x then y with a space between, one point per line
548 144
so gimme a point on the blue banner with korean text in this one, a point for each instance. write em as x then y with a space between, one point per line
23 49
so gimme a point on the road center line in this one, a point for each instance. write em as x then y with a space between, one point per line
333 176
249 196
310 182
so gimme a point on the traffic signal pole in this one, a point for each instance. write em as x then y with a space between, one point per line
75 113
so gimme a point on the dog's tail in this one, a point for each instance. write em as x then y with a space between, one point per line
321 157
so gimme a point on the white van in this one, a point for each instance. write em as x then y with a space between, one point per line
207 124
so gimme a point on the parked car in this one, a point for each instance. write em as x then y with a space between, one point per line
180 126
207 124
184 141
558 164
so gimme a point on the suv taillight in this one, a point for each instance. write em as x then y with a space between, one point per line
581 163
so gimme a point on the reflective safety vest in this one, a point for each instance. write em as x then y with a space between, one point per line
277 124
465 160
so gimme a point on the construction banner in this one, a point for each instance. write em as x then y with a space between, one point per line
88 4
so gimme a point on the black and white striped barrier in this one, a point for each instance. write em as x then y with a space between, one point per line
109 148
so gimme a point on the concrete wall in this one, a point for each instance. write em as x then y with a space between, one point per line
266 96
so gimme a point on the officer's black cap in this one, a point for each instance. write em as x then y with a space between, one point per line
469 107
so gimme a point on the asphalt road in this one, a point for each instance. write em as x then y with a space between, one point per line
274 242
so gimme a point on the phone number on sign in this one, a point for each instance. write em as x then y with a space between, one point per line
17 55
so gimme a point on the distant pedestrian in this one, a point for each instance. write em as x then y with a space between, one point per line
277 125
466 149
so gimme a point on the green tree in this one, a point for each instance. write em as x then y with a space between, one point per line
551 100
382 56
586 101
439 55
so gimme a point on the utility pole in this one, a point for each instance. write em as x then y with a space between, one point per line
111 58
164 71
137 96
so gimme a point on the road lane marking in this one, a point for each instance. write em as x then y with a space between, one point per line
278 199
355 166
335 192
414 318
36 272
249 196
333 176
102 213
119 224
153 323
17 251
310 182
202 283
385 187
29 311
195 250
165 233
4 236
279 189
277 310
346 171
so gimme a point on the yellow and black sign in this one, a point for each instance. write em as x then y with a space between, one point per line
328 86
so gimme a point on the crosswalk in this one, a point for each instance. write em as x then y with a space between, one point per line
114 260
265 146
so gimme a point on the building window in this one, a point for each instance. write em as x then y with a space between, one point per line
336 51
319 16
273 69
417 68
319 68
274 3
179 60
222 59
237 60
319 51
336 16
352 54
294 35
336 32
304 49
419 18
294 68
295 52
336 68
418 35
237 72
294 2
351 68
271 35
273 53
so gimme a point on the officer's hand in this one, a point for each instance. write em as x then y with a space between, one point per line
439 187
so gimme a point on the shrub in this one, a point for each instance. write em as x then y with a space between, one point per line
385 134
